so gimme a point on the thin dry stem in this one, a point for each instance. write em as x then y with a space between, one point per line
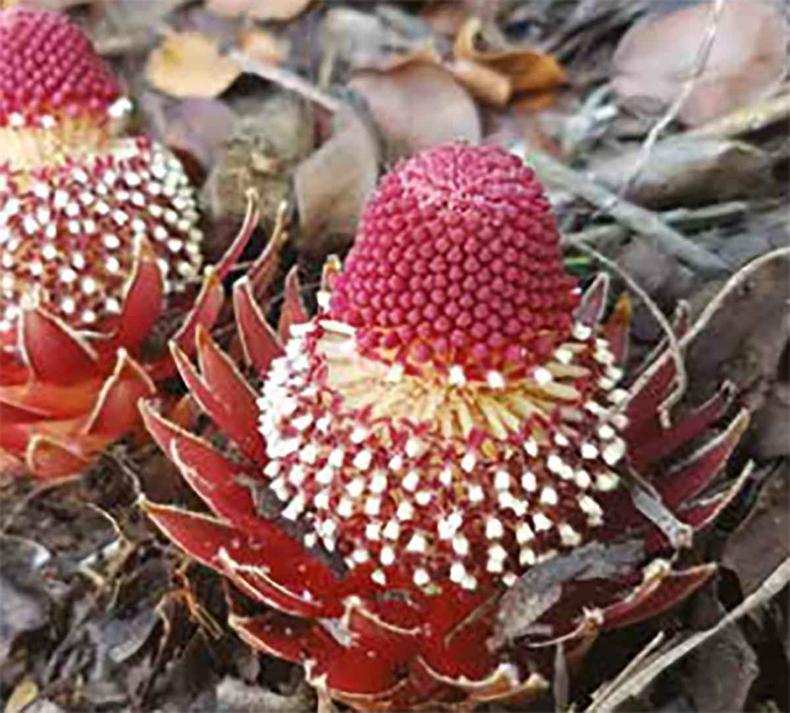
688 87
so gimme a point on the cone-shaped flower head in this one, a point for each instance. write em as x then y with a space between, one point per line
457 262
74 199
449 426
53 85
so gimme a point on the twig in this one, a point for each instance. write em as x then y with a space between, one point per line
735 283
747 119
624 676
636 683
287 80
640 220
688 87
695 218
674 350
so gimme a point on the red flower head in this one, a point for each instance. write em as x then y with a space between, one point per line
54 86
95 232
448 428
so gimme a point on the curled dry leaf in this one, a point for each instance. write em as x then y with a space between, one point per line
494 74
279 10
189 64
332 184
417 106
747 58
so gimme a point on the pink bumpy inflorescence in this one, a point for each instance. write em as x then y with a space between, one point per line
48 69
457 261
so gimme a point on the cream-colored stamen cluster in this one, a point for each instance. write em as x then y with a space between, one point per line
430 479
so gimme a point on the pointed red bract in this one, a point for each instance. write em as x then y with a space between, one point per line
293 311
258 340
144 298
54 352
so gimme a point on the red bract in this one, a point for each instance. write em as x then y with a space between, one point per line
410 485
98 234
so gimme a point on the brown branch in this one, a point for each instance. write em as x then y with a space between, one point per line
640 220
747 119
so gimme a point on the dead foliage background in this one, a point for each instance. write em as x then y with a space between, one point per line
661 129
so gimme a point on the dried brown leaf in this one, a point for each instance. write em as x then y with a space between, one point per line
279 10
197 126
263 46
331 185
742 333
526 70
747 59
772 424
719 675
189 64
418 106
760 543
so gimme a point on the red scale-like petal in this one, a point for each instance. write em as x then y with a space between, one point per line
293 311
689 427
53 351
270 567
115 412
242 428
258 340
142 305
656 596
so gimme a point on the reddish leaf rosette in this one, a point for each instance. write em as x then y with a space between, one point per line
449 431
99 234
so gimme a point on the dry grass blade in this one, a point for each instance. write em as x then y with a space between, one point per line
608 700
